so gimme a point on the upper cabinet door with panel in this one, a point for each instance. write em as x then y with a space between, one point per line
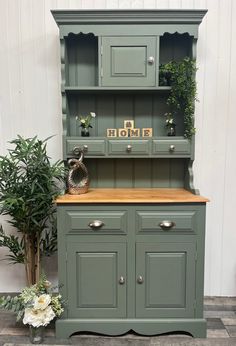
128 61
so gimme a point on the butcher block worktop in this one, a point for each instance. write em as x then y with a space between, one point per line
134 195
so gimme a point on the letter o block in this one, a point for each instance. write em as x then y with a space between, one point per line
123 132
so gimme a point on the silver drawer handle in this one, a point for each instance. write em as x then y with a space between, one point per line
77 151
129 148
151 60
122 280
172 147
96 224
140 279
166 224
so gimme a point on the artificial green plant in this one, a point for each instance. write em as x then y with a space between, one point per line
180 75
29 184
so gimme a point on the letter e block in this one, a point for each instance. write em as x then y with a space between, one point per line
134 132
123 132
111 133
147 132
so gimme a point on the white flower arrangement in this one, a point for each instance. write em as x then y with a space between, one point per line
36 304
85 122
169 120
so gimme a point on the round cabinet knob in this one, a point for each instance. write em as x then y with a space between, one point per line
166 224
139 279
151 60
96 224
85 147
77 151
129 148
172 147
122 280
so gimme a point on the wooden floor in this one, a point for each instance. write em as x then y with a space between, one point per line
221 331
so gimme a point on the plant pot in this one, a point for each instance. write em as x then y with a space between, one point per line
85 132
36 334
171 131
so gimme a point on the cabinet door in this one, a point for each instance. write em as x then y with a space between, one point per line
95 286
165 280
129 61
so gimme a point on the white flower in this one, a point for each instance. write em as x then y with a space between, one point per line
42 301
38 318
47 284
93 115
82 121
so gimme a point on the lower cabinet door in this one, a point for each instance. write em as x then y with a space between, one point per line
96 280
165 274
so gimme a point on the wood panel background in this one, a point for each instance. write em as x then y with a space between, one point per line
30 104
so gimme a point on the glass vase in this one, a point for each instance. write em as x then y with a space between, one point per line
171 131
36 334
85 132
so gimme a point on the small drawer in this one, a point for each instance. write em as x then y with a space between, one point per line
91 147
128 147
167 222
89 222
171 147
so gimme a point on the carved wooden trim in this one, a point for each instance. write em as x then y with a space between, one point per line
63 94
189 184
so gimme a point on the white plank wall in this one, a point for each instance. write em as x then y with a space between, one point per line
30 104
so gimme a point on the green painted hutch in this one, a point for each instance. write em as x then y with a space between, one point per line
131 250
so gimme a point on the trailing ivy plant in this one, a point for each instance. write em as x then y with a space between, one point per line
181 77
29 183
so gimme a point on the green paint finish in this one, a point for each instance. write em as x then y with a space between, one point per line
136 172
128 147
94 271
113 222
113 327
173 147
149 222
94 147
168 261
167 270
105 69
175 47
82 64
125 61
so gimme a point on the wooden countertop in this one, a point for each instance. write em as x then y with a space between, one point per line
134 195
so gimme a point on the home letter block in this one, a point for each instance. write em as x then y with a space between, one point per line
129 124
134 132
111 133
123 132
147 132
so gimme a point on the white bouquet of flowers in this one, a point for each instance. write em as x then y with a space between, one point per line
36 304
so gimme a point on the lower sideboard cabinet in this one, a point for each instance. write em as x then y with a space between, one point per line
128 273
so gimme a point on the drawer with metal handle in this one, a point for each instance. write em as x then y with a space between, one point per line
164 222
172 147
96 222
90 147
128 147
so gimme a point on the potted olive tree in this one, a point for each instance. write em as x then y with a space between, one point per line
29 184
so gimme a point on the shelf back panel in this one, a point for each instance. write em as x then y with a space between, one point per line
112 109
136 173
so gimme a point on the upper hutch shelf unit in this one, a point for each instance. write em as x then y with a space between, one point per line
110 65
131 250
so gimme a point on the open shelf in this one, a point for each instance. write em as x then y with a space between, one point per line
97 89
